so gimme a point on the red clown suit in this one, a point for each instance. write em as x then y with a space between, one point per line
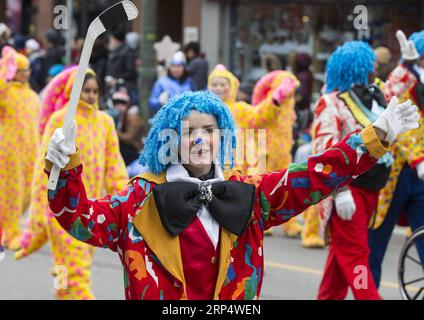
160 265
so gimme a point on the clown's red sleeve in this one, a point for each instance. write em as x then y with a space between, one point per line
98 222
286 193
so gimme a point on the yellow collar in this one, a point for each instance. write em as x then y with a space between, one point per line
355 110
167 248
86 105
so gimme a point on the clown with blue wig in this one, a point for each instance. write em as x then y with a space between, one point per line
183 231
404 192
351 102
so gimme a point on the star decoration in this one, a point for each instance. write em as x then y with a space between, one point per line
165 49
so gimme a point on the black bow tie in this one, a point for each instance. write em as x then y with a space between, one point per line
230 203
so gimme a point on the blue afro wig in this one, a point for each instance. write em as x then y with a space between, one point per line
350 64
418 39
171 116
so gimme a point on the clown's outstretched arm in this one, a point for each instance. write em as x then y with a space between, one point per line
266 112
256 117
286 193
98 222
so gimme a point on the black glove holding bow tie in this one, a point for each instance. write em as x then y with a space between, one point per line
230 203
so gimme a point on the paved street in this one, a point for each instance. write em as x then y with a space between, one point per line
291 272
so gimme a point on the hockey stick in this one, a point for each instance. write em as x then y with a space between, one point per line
119 13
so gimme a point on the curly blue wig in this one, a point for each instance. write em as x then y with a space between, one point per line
171 116
418 39
350 64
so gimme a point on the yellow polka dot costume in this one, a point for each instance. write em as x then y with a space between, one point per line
408 148
263 114
104 172
279 133
19 107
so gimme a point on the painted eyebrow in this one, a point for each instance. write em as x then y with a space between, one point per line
208 126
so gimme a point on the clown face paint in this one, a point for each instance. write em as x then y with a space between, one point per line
200 141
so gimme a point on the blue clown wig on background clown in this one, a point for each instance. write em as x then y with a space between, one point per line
350 64
418 39
171 116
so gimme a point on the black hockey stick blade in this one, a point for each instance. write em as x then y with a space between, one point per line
119 13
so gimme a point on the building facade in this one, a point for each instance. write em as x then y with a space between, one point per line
239 33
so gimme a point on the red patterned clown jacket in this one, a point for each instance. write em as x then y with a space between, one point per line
129 224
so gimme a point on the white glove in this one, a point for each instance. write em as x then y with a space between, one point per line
409 52
59 148
397 119
345 205
420 170
163 98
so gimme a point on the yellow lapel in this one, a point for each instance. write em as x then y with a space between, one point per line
148 223
148 176
226 244
167 248
356 111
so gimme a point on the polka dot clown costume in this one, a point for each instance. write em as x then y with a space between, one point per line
265 113
19 108
404 191
105 172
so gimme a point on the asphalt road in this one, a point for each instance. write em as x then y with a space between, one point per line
291 272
